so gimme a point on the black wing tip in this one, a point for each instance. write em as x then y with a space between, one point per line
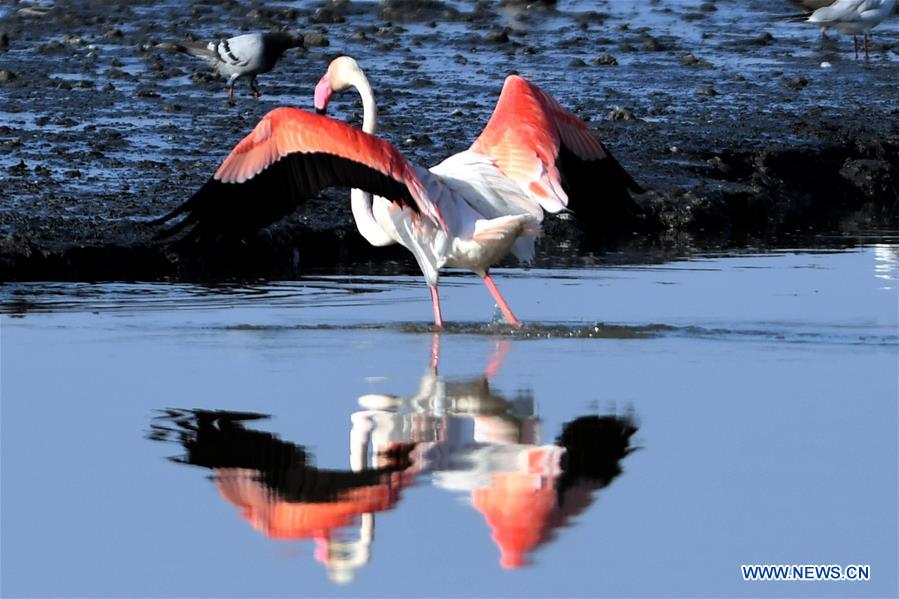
223 212
795 17
175 228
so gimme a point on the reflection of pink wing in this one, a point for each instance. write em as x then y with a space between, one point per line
520 507
279 519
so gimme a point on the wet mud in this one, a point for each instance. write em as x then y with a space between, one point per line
744 128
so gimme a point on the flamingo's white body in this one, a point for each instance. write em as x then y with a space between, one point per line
469 211
472 238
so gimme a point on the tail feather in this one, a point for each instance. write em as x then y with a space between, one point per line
495 229
794 17
198 49
514 233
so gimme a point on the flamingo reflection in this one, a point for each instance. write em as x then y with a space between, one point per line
463 435
278 491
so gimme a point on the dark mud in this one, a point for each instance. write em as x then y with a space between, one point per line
744 129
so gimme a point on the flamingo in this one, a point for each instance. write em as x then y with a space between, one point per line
469 211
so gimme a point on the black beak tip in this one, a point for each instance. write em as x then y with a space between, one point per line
320 111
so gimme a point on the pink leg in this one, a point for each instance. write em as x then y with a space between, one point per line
435 299
435 351
503 306
866 46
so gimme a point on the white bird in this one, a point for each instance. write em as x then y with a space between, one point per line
853 17
245 55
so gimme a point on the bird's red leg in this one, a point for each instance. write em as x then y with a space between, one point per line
231 92
866 46
503 306
435 300
435 351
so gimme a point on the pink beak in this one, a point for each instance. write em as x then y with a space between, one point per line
323 93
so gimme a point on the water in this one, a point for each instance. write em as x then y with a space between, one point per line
742 409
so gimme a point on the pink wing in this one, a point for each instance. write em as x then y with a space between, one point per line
549 152
291 156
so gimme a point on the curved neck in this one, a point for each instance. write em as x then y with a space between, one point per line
369 108
361 201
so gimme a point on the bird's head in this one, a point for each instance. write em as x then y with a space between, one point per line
342 74
283 40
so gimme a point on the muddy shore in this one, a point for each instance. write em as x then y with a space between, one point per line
744 128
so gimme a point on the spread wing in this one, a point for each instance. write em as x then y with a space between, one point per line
552 154
290 157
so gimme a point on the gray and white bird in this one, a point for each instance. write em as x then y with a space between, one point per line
243 56
852 17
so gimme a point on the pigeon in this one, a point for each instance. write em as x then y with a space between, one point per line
852 17
242 56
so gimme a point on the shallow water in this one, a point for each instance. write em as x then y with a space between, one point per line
762 390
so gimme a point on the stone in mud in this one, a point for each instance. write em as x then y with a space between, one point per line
418 140
146 92
621 114
707 90
499 36
592 16
655 44
327 14
18 169
795 83
6 76
605 60
204 76
763 39
119 74
406 11
690 60
315 38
